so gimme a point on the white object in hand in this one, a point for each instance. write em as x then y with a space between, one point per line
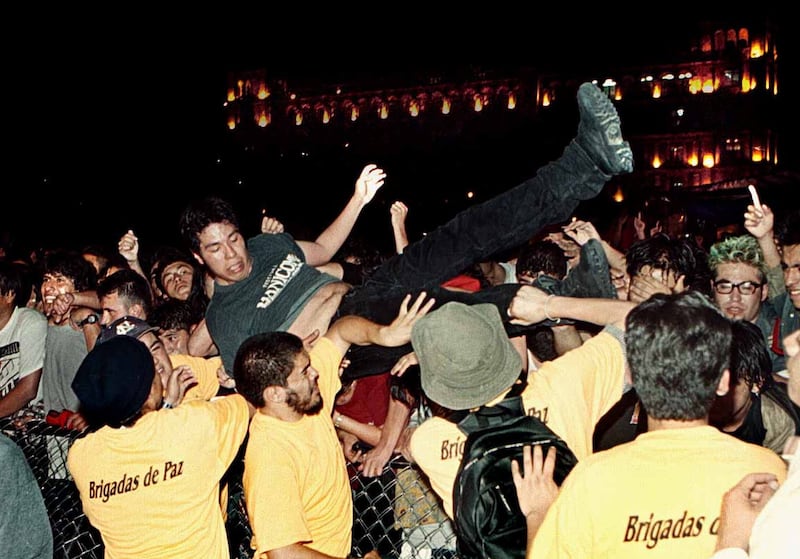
754 195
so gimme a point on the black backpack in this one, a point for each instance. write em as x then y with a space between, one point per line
488 521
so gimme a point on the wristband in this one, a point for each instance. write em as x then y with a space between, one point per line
546 314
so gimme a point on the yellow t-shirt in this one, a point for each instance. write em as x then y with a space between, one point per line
205 369
152 490
295 478
569 394
658 496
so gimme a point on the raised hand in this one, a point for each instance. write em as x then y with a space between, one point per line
759 222
270 225
128 246
369 182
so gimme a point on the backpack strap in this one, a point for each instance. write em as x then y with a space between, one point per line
487 416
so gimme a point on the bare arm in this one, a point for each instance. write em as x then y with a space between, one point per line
356 330
21 394
375 460
791 344
200 342
331 239
399 212
531 305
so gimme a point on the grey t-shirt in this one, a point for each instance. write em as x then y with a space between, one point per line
269 299
64 351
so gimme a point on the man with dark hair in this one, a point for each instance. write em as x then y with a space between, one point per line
270 283
22 341
659 495
787 304
148 475
756 409
295 480
124 293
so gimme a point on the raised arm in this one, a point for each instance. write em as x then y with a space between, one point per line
331 239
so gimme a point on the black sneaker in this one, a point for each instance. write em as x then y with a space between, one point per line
599 131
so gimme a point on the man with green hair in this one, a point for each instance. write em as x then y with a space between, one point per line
740 280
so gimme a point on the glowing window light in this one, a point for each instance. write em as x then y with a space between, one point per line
757 155
708 85
354 113
546 99
512 101
231 122
265 119
446 106
656 91
656 161
263 91
413 108
756 49
693 160
231 95
298 118
477 103
708 160
619 196
326 116
384 111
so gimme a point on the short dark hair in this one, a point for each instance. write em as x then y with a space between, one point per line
199 214
129 285
264 360
787 229
11 280
541 256
750 359
678 346
174 314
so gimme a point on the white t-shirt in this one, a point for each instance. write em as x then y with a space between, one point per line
21 347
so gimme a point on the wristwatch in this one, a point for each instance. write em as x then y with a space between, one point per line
91 319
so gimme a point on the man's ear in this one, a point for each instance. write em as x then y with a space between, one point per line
724 383
274 395
137 311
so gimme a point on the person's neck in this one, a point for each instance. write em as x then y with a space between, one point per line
654 424
5 316
281 411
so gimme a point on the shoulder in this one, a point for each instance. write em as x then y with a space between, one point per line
30 318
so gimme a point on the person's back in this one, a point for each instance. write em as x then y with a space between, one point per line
24 526
149 478
659 495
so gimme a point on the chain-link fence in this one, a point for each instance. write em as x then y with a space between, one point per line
396 513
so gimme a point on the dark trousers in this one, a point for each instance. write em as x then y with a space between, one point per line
475 234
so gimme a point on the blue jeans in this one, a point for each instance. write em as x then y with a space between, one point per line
475 234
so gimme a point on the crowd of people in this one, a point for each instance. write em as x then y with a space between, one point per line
669 365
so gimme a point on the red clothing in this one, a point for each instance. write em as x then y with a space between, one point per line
370 402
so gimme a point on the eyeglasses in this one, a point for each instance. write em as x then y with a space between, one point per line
724 287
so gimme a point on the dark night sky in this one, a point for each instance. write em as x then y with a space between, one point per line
128 113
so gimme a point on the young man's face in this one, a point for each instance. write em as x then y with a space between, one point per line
53 285
160 358
114 307
790 261
737 305
177 280
302 389
175 340
224 252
